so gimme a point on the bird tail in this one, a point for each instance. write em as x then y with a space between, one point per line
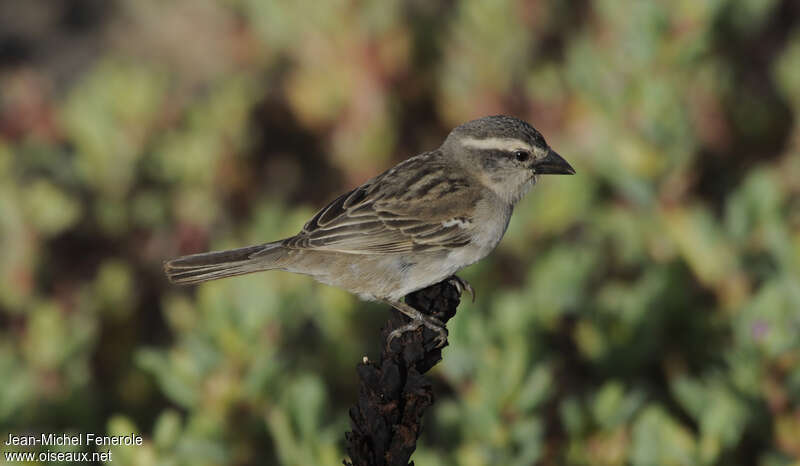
198 268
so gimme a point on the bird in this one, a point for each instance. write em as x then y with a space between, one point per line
412 226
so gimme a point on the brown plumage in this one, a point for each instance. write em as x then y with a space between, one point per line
414 225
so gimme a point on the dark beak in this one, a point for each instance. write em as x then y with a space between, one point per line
552 164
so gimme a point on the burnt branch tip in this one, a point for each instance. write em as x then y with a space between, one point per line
393 393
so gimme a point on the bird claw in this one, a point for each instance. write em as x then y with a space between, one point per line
462 285
429 322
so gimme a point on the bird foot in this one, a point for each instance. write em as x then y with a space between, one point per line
418 320
462 286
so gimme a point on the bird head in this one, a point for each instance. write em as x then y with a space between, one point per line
504 153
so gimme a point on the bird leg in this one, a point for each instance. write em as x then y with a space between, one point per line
462 286
418 320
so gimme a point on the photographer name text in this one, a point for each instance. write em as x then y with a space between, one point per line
78 440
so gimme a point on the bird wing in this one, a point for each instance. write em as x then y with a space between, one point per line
423 204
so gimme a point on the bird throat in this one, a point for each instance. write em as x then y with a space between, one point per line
511 188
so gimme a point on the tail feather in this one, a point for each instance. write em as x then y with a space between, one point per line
206 266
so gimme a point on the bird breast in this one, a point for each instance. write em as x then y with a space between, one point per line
489 224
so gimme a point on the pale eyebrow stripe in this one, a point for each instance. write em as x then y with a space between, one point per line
503 144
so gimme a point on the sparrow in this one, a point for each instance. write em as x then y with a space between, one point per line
412 226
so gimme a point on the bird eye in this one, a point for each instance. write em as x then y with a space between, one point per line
522 155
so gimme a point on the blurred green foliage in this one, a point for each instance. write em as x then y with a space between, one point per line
645 311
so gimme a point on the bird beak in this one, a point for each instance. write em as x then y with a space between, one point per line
552 164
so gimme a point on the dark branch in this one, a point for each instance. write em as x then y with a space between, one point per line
393 393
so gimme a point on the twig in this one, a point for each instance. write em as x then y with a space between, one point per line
393 393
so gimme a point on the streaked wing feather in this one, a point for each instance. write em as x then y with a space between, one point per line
378 217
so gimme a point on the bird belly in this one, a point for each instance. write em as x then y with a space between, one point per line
376 276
